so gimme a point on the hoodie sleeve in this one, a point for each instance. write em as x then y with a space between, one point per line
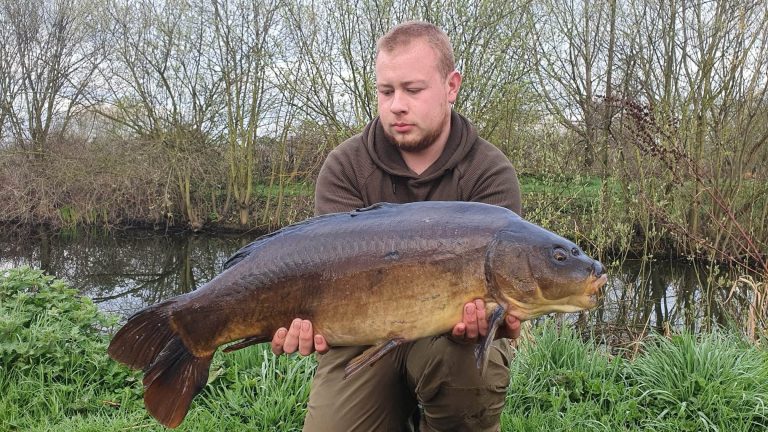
336 189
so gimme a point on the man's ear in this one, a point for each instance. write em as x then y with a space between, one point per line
454 83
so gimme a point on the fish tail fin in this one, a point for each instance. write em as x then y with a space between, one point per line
143 337
173 380
172 374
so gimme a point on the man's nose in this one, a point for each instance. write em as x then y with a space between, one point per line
398 104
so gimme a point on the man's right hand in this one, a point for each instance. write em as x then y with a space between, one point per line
300 336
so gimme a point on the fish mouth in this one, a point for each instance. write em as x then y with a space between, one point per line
582 296
579 300
593 287
592 290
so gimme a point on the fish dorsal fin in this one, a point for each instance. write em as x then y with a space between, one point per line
259 242
371 356
376 206
250 247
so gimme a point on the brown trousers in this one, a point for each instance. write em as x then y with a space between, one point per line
436 373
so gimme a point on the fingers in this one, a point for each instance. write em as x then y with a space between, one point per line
321 346
473 323
459 330
292 339
470 321
482 320
513 326
298 337
278 340
306 338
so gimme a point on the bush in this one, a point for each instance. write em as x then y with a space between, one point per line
53 359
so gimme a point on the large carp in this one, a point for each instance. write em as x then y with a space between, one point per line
379 276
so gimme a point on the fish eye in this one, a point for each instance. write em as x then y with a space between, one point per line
560 254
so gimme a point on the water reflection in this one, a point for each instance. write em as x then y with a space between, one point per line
645 295
126 271
123 271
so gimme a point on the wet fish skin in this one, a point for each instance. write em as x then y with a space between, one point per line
377 276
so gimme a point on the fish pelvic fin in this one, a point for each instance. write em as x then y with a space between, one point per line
143 337
253 340
172 381
484 344
371 356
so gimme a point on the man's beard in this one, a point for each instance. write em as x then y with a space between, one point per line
415 146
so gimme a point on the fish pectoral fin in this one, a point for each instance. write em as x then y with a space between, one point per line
253 340
484 344
370 356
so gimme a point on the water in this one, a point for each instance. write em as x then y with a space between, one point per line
126 271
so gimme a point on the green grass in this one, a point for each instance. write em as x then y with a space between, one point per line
588 210
713 382
55 375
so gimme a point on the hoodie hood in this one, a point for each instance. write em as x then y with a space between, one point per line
387 157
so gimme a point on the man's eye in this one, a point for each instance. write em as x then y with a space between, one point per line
414 90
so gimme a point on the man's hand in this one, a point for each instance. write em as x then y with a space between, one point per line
474 324
299 336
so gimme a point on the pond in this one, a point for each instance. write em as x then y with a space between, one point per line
124 271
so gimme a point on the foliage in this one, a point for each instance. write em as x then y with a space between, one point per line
577 207
52 352
44 323
708 383
254 389
715 382
56 376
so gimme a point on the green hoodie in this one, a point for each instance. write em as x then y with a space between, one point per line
367 169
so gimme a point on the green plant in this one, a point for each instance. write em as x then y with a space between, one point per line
53 351
559 382
709 383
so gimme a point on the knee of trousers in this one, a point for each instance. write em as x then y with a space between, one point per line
451 390
375 399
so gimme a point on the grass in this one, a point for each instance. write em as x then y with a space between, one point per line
55 375
712 382
588 210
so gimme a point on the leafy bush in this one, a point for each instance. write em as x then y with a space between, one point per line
53 352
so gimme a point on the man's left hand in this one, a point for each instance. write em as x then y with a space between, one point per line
474 324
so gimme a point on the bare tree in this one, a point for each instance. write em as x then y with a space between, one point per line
162 86
572 45
49 57
245 45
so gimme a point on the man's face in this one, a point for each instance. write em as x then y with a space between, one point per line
414 98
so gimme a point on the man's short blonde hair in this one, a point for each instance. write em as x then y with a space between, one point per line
403 34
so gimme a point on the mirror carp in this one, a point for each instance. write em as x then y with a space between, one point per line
380 276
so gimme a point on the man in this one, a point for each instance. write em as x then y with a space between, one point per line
418 149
